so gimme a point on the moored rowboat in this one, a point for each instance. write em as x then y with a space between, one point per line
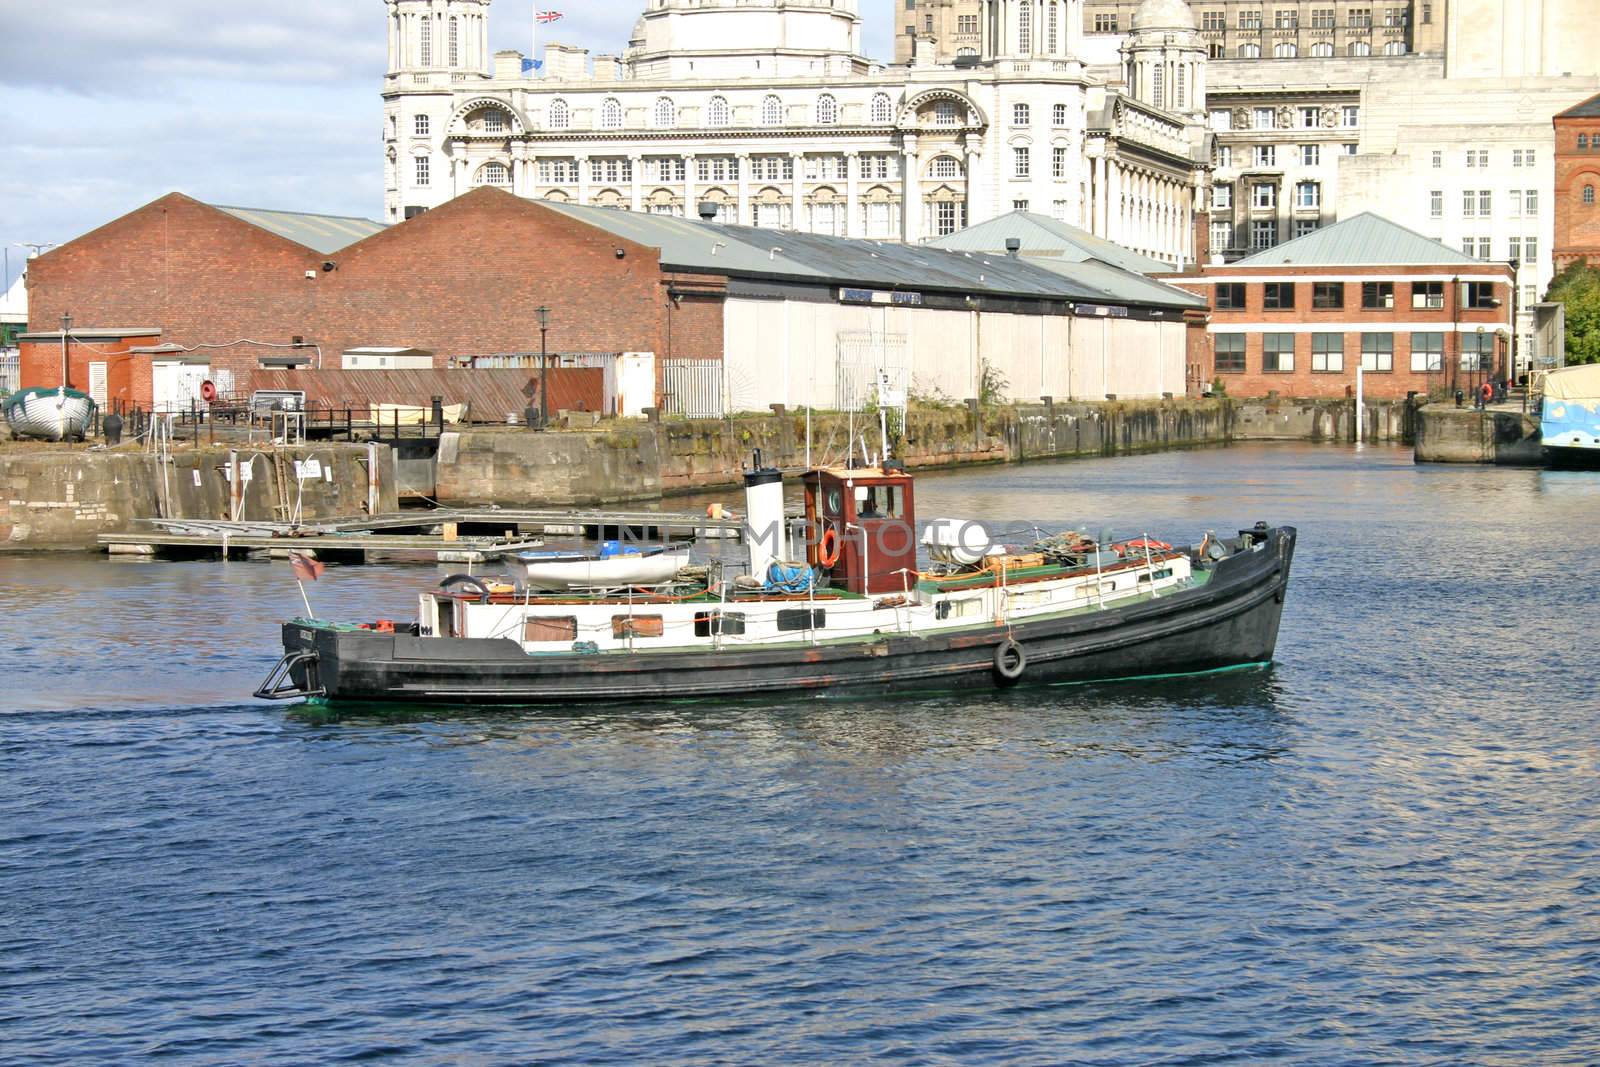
53 414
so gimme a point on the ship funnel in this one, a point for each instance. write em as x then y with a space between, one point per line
763 517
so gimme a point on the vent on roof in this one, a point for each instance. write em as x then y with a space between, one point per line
709 210
1013 247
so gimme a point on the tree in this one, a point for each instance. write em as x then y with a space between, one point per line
1578 287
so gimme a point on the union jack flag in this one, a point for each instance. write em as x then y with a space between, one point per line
546 16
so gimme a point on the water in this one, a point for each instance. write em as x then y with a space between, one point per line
1382 850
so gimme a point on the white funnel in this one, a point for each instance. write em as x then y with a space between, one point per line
763 518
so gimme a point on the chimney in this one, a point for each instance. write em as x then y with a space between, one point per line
1013 247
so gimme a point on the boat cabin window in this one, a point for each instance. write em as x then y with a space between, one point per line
719 622
560 628
637 626
802 620
880 502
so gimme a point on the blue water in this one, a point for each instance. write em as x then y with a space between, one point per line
1381 850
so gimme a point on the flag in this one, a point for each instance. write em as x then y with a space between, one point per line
531 64
547 16
306 569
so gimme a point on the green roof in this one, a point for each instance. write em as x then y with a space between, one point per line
321 233
785 255
1043 236
1364 239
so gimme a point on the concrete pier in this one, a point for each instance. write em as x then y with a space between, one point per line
1501 435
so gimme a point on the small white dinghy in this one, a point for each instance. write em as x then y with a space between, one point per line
54 414
574 570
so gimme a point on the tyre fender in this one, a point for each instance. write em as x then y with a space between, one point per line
1010 660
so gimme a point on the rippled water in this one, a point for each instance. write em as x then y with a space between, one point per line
1382 850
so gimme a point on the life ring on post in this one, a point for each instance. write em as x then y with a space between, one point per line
1010 661
208 391
828 549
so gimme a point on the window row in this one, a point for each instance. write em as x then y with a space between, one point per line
1263 233
1331 296
1288 18
1264 195
718 113
1478 158
1326 352
1266 155
1305 117
620 170
1319 50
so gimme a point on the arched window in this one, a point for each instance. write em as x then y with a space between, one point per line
1588 194
493 174
772 111
1322 50
1249 51
455 43
827 110
1284 50
560 114
717 111
611 114
665 114
963 53
882 108
1395 48
944 167
1359 48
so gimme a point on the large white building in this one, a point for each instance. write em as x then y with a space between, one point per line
767 111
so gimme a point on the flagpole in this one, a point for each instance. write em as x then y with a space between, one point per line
310 615
533 54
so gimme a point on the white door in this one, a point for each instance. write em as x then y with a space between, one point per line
176 386
97 383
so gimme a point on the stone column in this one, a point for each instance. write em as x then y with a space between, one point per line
985 13
744 214
519 168
461 181
852 194
1114 204
797 194
583 178
636 172
911 194
977 189
691 209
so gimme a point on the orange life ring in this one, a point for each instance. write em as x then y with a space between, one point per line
208 391
828 550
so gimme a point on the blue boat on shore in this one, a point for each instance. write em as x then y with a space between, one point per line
1569 417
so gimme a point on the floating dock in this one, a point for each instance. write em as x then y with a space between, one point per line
448 535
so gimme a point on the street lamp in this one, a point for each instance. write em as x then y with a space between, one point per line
1511 345
1477 363
544 368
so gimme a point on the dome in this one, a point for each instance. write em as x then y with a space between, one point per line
1163 15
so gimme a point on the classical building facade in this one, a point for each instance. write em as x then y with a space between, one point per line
1577 185
767 114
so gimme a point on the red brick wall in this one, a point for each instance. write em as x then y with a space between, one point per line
463 279
1577 225
128 377
1303 381
694 316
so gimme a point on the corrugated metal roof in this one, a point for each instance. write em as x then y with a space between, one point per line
1124 287
321 233
1042 236
490 395
694 245
1361 239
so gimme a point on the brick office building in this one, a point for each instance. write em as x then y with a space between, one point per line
1415 315
1577 185
225 292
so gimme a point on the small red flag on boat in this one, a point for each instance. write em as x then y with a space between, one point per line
306 569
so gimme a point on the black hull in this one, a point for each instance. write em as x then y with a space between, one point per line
1230 621
1574 459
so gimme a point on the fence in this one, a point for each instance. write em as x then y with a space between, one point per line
10 371
692 388
873 368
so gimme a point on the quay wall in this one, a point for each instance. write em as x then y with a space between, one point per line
1447 434
645 460
65 499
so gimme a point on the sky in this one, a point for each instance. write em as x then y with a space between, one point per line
106 105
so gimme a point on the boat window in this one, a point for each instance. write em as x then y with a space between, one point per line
816 619
880 501
1163 573
719 622
637 626
559 628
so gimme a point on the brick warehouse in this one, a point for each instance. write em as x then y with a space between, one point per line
464 279
1577 185
1415 315
780 317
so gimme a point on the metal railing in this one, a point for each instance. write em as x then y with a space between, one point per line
10 371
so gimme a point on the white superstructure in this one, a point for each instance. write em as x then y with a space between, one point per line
769 110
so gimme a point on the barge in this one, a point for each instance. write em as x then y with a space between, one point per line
872 608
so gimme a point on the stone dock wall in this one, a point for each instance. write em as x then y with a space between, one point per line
66 499
1448 434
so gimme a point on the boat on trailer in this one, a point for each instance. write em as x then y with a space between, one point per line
872 608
